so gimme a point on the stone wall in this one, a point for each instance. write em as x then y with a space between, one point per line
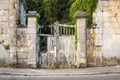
8 11
106 33
20 37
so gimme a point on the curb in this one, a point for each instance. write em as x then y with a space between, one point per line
63 72
74 74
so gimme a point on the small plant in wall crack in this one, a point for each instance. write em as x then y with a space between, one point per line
6 47
1 41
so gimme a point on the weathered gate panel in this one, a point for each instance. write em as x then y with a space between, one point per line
66 52
60 48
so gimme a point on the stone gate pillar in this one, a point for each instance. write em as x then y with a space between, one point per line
81 40
32 37
56 43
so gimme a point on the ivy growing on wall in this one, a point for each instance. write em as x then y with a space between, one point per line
78 6
75 34
87 6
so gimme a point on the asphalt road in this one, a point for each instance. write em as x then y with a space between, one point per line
87 77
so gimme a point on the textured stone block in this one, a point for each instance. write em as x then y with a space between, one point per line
6 41
11 6
31 22
12 49
83 61
22 43
98 36
115 24
5 18
116 30
1 6
1 12
31 30
12 1
11 18
106 8
112 19
12 12
5 6
114 3
5 25
105 3
11 24
96 30
6 13
4 1
117 9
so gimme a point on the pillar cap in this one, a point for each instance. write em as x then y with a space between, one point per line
32 14
81 15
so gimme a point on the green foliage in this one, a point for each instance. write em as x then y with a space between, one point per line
51 10
43 43
56 66
6 47
87 6
8 64
75 34
63 11
37 24
38 65
76 7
